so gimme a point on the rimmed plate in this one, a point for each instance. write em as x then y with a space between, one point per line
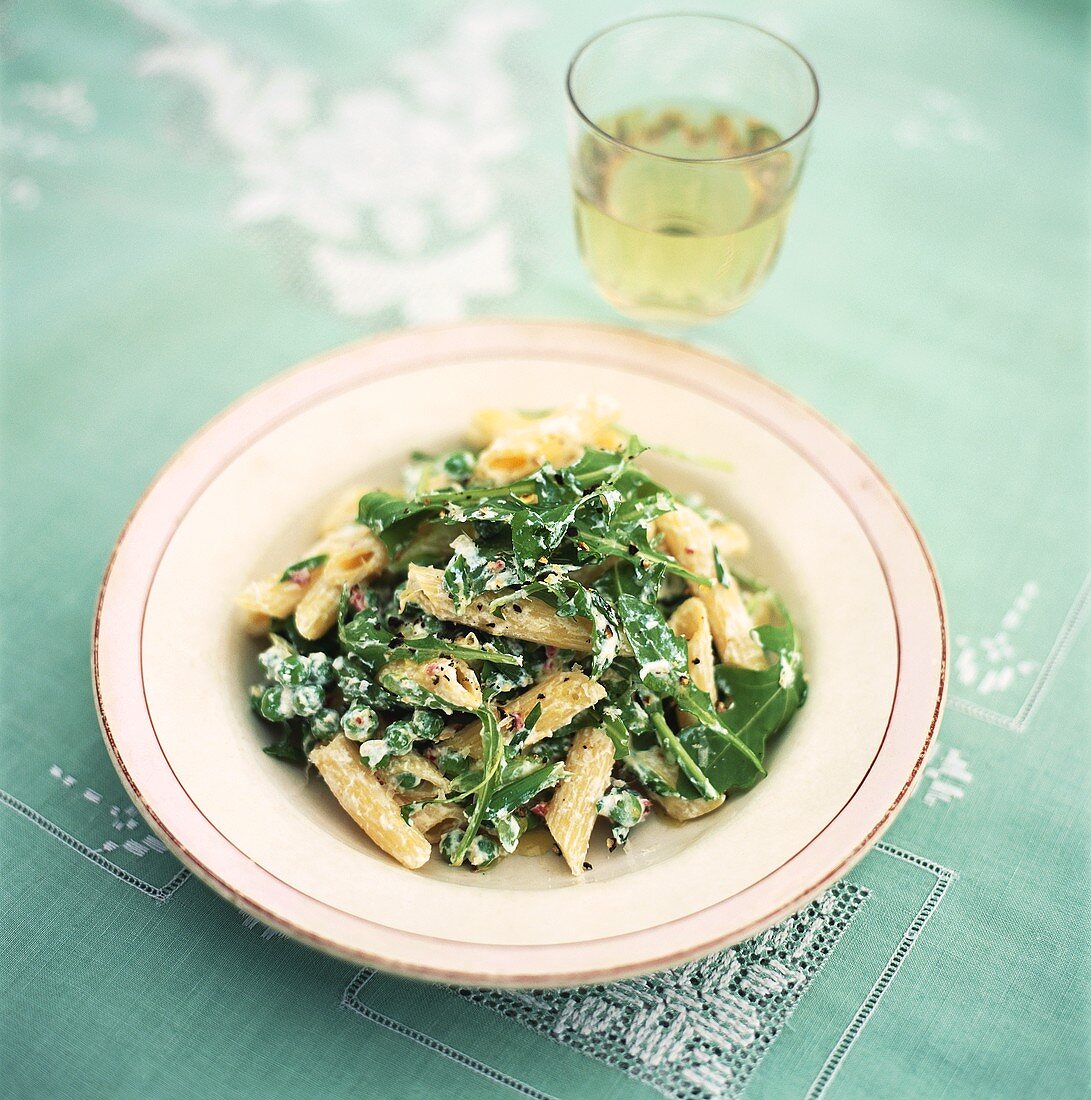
170 666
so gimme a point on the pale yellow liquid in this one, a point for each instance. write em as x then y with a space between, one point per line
680 241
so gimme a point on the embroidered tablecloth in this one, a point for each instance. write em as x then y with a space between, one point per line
197 194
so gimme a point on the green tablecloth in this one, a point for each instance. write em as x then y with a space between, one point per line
196 195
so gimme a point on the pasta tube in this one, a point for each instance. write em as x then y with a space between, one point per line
571 814
343 509
686 809
731 539
525 618
689 541
361 557
690 621
349 554
448 679
368 802
520 445
561 696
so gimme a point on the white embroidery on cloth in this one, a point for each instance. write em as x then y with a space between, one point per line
395 189
992 664
96 856
940 119
948 779
123 819
267 933
700 1030
40 119
66 101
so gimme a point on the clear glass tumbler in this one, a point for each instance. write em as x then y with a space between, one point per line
687 137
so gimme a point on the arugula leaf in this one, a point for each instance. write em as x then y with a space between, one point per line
605 630
459 579
744 771
474 569
625 578
614 728
286 750
511 796
364 637
710 462
441 647
392 518
492 758
304 566
430 544
414 694
604 546
651 769
536 534
676 751
509 830
664 669
620 714
762 702
660 653
723 575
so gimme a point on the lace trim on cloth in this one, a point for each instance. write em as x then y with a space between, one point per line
702 1029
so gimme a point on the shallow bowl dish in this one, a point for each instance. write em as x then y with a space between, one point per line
242 496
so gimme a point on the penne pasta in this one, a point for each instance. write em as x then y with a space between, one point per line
731 625
359 556
347 551
447 679
487 425
572 812
525 618
368 802
689 541
686 809
270 598
730 539
518 447
429 819
421 768
255 623
562 696
690 621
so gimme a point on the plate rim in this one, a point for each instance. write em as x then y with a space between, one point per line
492 974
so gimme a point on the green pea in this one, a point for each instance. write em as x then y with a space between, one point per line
406 781
459 465
623 806
627 809
307 700
399 737
374 753
483 851
448 845
319 668
359 723
292 671
452 762
270 659
326 723
277 704
427 724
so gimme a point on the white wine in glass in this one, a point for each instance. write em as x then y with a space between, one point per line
682 203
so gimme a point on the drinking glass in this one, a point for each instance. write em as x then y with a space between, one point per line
687 138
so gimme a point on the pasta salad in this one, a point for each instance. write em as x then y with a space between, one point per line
534 634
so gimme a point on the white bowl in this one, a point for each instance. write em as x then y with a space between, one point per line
243 495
